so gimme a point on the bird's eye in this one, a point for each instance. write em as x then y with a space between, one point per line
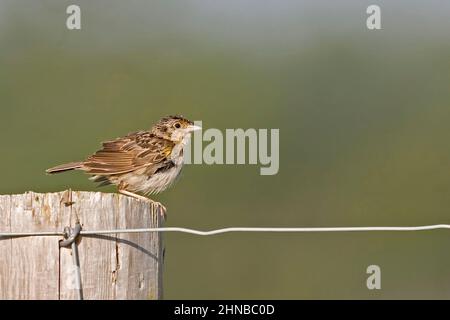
177 125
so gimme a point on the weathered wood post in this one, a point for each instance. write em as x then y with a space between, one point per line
113 266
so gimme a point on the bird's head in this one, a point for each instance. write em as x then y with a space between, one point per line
174 128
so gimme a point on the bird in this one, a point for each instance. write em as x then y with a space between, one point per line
141 163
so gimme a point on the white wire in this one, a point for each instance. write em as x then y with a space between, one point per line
30 234
268 229
234 229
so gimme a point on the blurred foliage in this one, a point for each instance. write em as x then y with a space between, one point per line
363 116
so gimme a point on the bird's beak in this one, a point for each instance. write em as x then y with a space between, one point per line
192 128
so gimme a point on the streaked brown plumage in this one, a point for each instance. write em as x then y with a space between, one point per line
141 162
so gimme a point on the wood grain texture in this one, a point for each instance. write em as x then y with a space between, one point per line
135 248
33 269
5 244
125 266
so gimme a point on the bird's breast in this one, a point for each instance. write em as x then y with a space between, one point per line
161 180
177 154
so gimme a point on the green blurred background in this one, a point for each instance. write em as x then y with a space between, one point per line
364 120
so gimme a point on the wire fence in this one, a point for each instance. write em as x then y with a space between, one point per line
71 234
231 229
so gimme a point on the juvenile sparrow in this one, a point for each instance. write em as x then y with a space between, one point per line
146 162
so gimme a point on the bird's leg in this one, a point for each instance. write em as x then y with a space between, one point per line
134 195
162 210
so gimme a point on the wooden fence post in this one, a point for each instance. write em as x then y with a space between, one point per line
115 266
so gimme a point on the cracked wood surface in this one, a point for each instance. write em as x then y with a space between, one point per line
123 266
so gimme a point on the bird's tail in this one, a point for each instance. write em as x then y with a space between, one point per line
65 167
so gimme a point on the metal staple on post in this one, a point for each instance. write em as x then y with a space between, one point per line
71 235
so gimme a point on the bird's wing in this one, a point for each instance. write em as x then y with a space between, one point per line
136 150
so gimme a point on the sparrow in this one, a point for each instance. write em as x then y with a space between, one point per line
142 162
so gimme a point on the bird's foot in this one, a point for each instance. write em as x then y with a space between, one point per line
161 208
